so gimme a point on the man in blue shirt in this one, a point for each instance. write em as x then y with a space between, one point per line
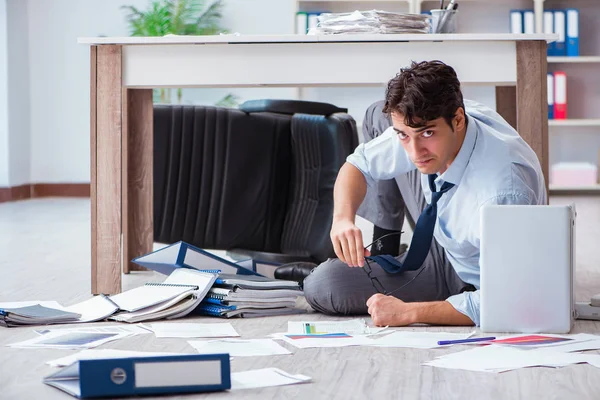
466 153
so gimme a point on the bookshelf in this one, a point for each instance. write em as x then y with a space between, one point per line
569 60
575 122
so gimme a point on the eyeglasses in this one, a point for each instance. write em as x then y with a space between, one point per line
367 267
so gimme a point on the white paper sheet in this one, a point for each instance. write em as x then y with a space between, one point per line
351 327
577 342
417 340
66 339
306 343
504 358
264 378
98 354
138 329
239 347
193 330
94 309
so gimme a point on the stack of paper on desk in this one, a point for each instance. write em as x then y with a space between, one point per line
373 21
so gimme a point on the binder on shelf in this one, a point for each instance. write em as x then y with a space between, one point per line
184 255
560 29
550 96
301 23
548 27
572 32
116 377
528 22
560 95
516 21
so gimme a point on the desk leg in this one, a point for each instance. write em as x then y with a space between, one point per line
506 104
532 100
105 143
138 233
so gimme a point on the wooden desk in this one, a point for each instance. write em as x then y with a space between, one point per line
124 70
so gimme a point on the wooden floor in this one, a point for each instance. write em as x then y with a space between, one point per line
45 255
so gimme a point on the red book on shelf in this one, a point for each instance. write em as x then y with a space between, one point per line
560 95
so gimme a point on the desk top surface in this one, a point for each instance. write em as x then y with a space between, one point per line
261 39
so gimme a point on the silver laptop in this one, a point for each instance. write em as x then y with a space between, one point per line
527 268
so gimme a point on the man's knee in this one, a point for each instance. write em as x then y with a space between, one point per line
326 289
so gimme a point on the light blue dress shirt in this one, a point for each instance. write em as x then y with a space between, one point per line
493 166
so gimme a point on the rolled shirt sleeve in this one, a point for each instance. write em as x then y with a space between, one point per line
381 158
467 303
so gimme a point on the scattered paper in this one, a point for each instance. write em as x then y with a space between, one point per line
580 342
130 329
264 378
95 309
351 327
504 358
239 347
324 340
193 330
417 340
66 339
532 340
18 304
98 354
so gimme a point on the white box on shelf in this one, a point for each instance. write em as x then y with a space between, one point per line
570 174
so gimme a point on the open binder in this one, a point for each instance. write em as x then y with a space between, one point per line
184 255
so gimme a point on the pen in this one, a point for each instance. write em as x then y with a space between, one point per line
450 5
472 340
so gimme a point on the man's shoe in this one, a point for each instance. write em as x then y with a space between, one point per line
296 271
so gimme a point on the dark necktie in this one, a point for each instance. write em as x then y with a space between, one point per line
422 236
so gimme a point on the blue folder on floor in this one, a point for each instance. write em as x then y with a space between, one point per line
184 255
115 377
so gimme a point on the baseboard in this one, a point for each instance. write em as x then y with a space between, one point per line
36 190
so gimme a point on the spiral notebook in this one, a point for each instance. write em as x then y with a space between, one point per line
180 282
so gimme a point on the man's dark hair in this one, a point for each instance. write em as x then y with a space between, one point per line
426 91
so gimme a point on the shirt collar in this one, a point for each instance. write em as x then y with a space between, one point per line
455 172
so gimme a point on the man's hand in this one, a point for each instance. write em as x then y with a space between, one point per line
347 243
390 311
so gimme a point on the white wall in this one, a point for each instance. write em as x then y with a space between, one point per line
59 79
59 72
19 141
4 179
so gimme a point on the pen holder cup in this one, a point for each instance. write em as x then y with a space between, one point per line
444 21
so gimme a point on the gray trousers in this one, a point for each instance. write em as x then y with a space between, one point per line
335 288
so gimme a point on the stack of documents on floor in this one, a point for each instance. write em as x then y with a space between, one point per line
35 315
250 296
370 22
51 312
176 297
521 351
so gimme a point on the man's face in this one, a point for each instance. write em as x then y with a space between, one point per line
431 148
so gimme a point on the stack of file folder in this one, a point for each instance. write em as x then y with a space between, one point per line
250 296
35 315
373 21
176 297
238 290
